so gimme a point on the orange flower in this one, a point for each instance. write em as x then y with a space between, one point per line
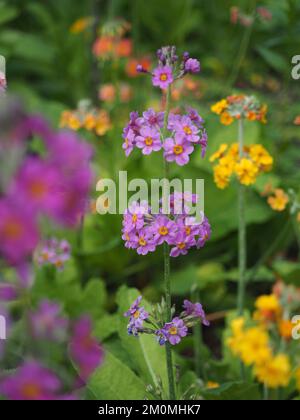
103 46
279 200
123 47
107 93
297 120
80 25
133 62
125 92
226 119
285 327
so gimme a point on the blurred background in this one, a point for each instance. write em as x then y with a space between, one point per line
64 58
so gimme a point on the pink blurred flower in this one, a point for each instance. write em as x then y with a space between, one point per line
46 322
2 82
86 352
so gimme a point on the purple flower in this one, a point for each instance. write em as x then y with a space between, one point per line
85 350
203 142
134 217
134 124
137 315
164 230
31 381
46 322
178 151
153 119
204 233
195 310
148 140
144 242
195 117
129 141
8 292
185 128
53 252
192 65
162 77
18 232
2 82
175 330
182 243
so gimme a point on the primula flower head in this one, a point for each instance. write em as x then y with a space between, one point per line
47 323
137 315
162 77
174 331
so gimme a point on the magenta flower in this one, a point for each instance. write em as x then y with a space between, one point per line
37 184
134 124
192 65
204 233
195 117
85 350
163 230
8 292
195 310
178 151
31 382
153 119
148 140
144 242
185 128
175 330
53 252
137 315
134 216
18 232
162 77
182 243
129 141
46 322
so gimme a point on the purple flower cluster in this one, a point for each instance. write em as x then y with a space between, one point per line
55 185
46 323
144 231
171 332
53 252
169 69
185 132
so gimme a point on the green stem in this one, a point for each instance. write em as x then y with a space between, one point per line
199 368
167 269
242 252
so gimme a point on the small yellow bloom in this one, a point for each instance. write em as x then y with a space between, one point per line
212 385
80 25
219 107
279 200
103 123
74 123
297 374
221 176
274 372
219 153
268 308
254 348
226 118
261 157
246 171
89 122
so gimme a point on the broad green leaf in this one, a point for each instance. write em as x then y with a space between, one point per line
93 299
115 381
233 391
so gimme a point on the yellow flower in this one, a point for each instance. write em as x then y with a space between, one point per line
221 176
254 348
234 150
103 123
89 122
279 200
64 119
268 308
226 118
74 122
80 25
212 385
246 171
261 157
274 372
285 327
219 107
219 153
235 341
297 374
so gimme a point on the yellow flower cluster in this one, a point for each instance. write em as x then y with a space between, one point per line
235 107
91 120
246 166
253 343
278 200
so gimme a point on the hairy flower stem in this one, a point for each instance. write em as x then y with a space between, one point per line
242 252
167 267
198 341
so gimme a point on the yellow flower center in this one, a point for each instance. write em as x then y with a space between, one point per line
177 149
181 245
187 130
142 241
12 230
188 230
148 141
134 218
163 77
31 391
163 230
37 189
173 330
136 314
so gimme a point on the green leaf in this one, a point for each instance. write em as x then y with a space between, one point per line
148 356
233 391
106 326
115 381
274 59
94 298
288 271
7 13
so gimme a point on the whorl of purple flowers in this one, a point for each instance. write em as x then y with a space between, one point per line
185 133
144 231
